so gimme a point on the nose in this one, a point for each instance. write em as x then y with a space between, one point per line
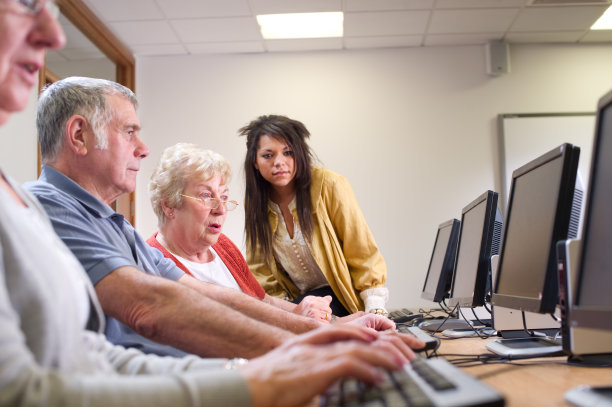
141 150
47 33
221 208
279 160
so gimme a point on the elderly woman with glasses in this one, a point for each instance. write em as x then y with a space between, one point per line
189 194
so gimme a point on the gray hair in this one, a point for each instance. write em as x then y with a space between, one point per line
178 164
75 95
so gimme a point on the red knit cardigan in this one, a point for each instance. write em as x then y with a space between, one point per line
231 256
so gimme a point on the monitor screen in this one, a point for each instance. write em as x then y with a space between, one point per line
440 271
593 304
479 239
539 214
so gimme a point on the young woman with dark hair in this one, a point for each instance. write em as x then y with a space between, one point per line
305 232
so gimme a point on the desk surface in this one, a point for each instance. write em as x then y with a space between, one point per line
530 382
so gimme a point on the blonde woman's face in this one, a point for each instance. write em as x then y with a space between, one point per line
199 223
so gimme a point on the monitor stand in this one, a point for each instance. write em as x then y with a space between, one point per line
526 347
591 360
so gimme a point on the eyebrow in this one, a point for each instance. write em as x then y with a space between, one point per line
286 147
204 186
133 126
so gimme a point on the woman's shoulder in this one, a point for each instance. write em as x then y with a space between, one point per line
327 178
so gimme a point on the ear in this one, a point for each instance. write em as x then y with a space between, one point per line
256 166
77 133
169 212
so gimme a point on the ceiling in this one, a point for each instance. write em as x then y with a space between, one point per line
184 27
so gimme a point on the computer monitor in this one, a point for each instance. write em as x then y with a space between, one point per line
440 271
479 239
540 211
593 301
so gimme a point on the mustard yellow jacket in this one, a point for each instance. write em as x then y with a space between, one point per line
342 245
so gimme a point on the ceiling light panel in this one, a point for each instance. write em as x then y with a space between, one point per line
604 22
301 25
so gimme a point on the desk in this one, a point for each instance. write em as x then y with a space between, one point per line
530 382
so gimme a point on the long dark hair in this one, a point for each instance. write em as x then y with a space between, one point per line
257 194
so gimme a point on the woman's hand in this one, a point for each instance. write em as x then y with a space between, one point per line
315 307
404 343
304 367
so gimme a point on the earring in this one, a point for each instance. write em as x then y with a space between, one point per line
171 214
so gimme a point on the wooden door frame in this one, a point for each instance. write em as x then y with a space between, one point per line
94 29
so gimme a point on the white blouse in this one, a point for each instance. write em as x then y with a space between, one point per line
215 271
294 255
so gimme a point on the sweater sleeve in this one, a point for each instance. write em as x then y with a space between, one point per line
366 265
108 375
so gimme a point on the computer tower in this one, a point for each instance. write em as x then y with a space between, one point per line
580 343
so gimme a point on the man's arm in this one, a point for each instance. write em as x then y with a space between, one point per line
176 315
252 307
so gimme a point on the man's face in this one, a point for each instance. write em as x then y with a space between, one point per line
24 38
114 169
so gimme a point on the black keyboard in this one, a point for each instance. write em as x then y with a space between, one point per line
401 315
430 341
423 382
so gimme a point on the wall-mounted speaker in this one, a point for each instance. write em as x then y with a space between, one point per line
497 55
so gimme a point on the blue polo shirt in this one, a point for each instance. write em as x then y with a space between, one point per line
103 241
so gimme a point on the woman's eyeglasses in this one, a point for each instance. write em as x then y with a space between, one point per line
213 203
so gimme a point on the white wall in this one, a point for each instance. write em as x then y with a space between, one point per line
19 152
413 129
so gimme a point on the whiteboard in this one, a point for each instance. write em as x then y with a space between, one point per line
525 137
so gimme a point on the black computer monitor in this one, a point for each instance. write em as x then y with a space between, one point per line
541 211
593 301
440 271
479 239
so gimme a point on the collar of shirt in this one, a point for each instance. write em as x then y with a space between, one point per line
67 185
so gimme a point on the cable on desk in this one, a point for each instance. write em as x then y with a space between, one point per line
428 313
536 334
447 309
463 360
476 316
477 331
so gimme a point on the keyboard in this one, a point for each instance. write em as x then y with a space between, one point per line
423 382
402 315
430 341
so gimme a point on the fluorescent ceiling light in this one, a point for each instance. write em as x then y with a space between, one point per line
604 22
301 25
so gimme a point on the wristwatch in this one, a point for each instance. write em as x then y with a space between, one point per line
232 364
379 311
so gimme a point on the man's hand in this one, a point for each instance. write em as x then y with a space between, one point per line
297 371
315 307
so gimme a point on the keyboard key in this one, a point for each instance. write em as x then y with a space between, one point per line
431 376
